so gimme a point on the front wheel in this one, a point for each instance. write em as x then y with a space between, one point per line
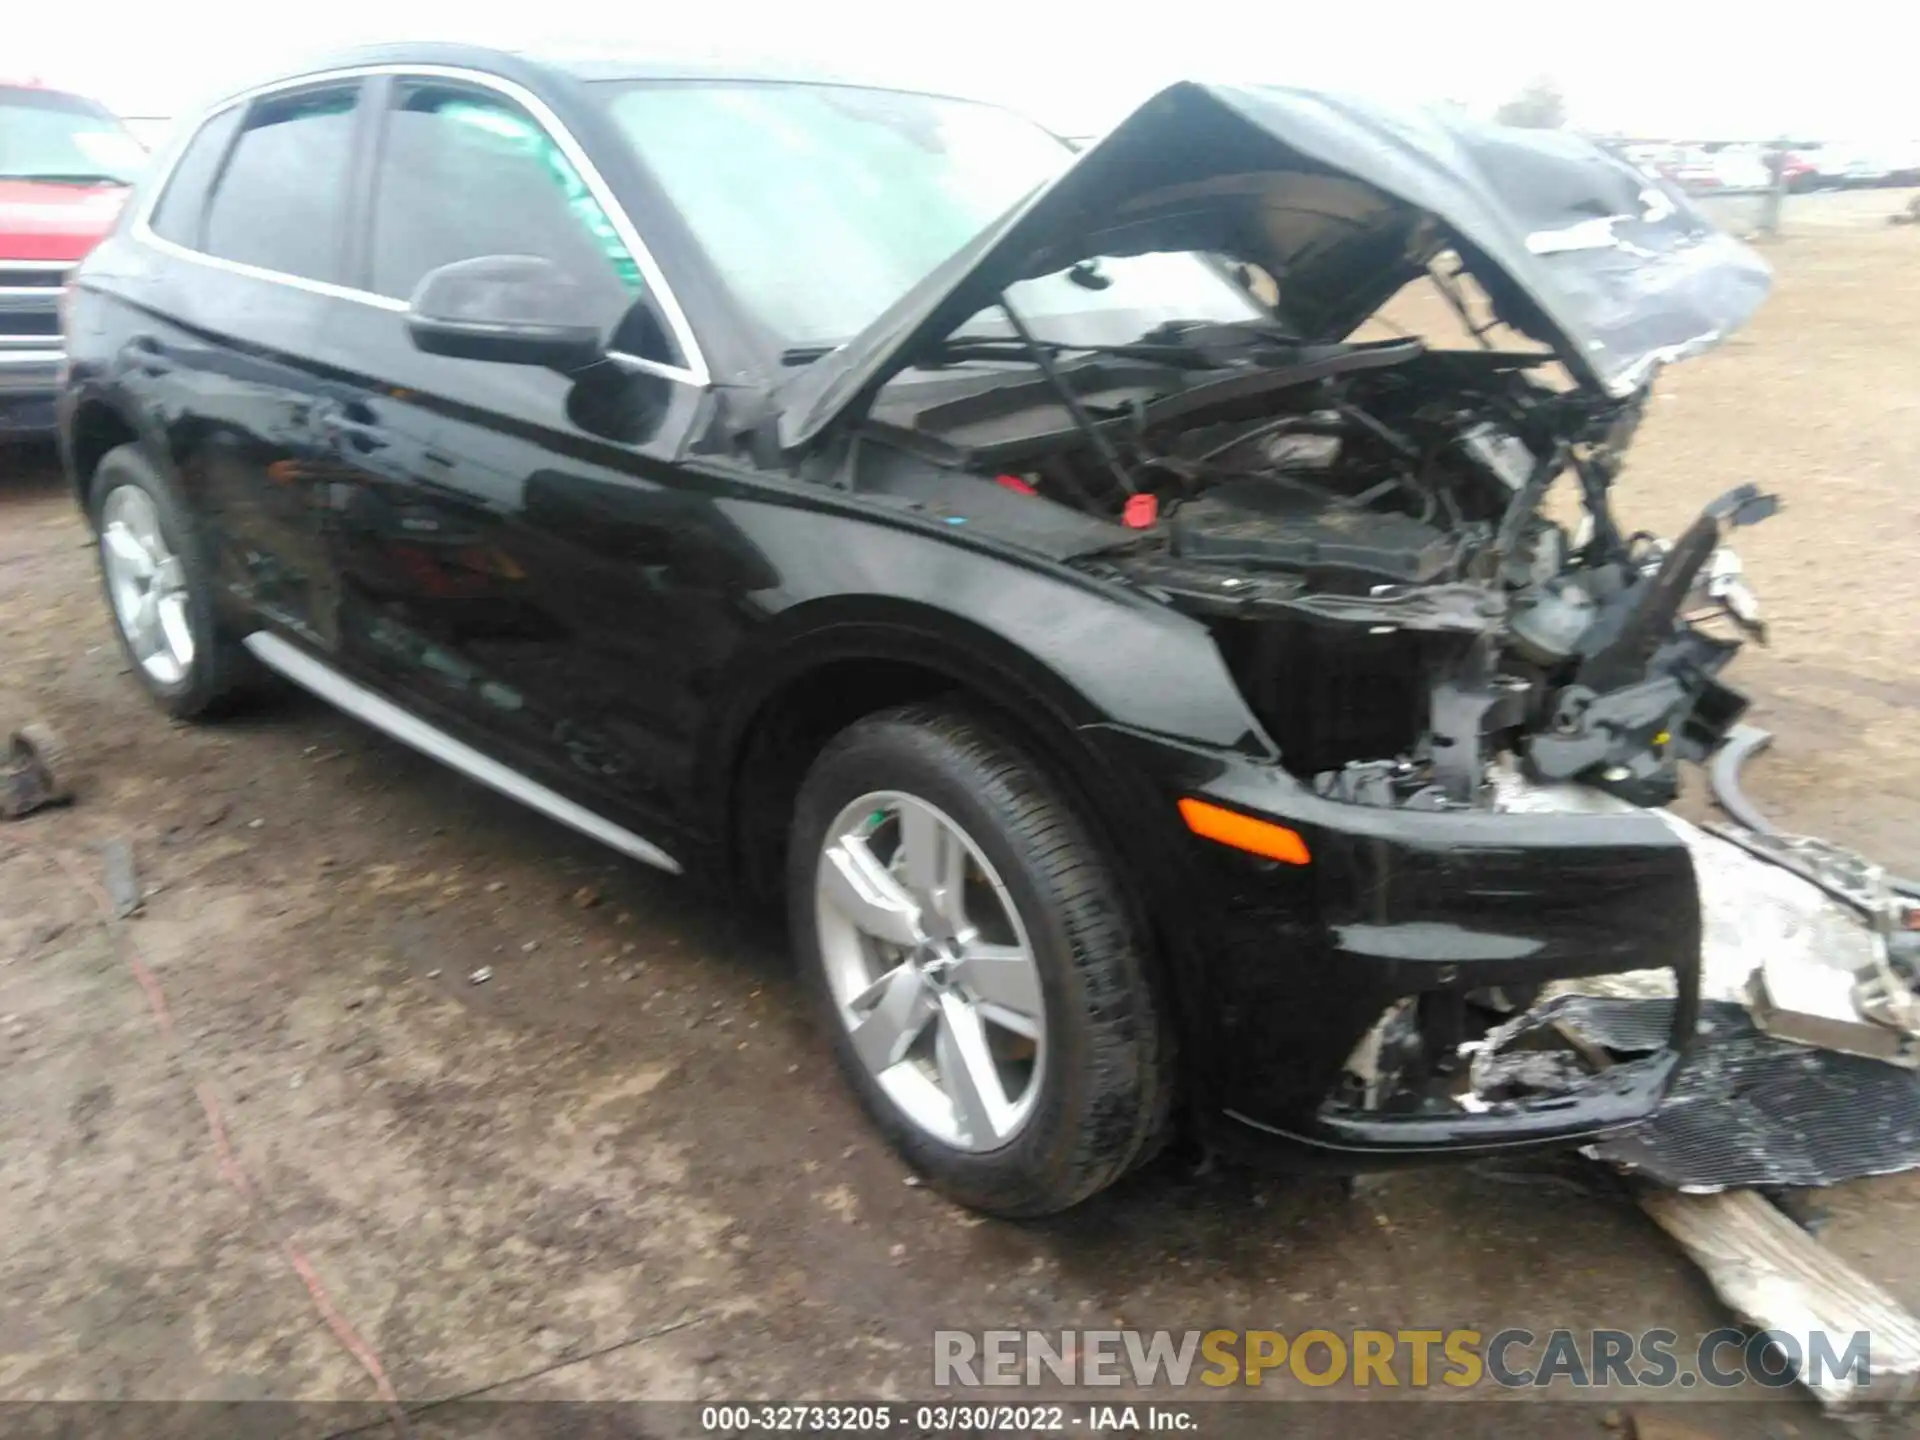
983 978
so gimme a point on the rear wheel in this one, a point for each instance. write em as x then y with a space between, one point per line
159 590
984 982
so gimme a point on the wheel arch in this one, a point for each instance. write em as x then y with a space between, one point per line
827 669
97 428
854 659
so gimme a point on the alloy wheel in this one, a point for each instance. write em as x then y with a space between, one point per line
147 584
931 970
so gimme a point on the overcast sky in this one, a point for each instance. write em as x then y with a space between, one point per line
1842 69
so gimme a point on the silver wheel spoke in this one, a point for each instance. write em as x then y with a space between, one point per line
856 884
934 862
901 1009
174 628
1005 982
120 541
967 1072
144 628
148 584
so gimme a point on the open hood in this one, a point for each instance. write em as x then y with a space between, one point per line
1343 202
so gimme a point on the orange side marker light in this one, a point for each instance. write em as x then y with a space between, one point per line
1243 832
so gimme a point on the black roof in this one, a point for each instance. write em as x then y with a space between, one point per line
517 64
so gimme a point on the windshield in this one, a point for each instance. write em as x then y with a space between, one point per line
48 136
820 205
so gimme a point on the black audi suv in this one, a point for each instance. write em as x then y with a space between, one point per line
1136 672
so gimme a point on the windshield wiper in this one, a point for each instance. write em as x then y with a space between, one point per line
957 349
805 354
961 348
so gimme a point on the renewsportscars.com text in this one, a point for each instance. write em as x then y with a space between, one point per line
1411 1359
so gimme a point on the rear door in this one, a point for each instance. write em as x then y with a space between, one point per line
253 224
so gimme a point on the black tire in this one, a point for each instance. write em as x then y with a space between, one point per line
1104 1096
222 672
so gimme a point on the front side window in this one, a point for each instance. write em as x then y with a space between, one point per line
463 173
281 200
64 140
820 205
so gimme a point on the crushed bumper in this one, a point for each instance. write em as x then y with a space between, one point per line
1344 998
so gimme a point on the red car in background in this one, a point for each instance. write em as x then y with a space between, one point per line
65 165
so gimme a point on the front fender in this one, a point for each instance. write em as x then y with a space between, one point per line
1089 650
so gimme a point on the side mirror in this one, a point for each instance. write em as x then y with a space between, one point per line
510 309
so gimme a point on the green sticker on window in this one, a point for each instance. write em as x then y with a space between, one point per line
523 137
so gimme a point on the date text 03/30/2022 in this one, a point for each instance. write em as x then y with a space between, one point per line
948 1419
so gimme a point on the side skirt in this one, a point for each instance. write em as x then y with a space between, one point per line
361 703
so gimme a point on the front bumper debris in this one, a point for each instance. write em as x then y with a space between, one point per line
1804 1070
1750 1109
1345 996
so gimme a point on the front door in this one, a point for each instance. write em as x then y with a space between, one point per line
517 578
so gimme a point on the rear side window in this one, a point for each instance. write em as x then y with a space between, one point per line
281 200
463 172
176 216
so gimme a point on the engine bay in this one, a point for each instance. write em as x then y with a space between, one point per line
1427 534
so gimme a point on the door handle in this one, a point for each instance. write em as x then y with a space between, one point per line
344 427
145 355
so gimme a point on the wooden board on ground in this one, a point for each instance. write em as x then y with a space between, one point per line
1775 1276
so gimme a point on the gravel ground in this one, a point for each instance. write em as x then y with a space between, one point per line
621 1167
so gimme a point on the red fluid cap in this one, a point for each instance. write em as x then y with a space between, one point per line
1014 482
1142 512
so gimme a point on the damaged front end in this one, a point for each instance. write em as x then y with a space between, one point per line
1368 527
1424 660
1408 557
1391 541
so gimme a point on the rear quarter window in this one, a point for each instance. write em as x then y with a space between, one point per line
177 213
280 202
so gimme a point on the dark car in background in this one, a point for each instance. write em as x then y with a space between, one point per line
1007 560
65 165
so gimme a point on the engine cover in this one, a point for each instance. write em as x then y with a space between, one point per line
1263 524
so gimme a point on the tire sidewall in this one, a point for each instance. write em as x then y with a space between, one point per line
897 755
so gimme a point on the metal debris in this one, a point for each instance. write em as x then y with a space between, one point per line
1723 775
1809 935
38 772
122 881
1803 1073
1743 742
1751 1109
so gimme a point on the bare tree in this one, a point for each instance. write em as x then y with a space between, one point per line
1540 106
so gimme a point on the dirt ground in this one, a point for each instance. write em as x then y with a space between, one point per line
622 1166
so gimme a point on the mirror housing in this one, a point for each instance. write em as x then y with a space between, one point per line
510 309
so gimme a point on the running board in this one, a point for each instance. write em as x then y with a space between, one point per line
361 703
